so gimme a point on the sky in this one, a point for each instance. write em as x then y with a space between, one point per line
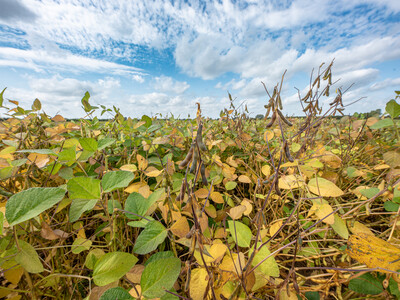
160 57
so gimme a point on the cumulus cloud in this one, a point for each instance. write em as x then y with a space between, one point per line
168 84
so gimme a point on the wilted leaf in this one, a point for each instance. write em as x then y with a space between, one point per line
392 158
374 252
324 187
181 227
290 182
237 212
152 172
244 179
142 162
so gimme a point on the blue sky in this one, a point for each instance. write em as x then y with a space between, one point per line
149 57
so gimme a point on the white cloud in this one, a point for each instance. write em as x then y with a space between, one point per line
138 78
59 60
168 84
389 82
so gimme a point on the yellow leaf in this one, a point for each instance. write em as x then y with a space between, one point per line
275 227
290 182
248 205
130 168
359 228
266 170
198 283
181 227
237 212
201 193
39 159
290 164
268 134
231 263
217 197
244 179
323 211
144 191
152 172
231 161
58 118
14 275
134 187
160 140
374 252
324 187
142 162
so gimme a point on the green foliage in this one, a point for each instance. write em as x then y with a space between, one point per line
112 266
30 203
366 284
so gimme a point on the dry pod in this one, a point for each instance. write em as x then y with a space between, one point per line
188 158
287 152
273 118
284 119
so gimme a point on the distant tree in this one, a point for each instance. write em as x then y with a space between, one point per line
259 116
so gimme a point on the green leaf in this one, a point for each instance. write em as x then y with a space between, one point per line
112 266
115 180
36 105
230 185
382 124
159 255
269 267
1 97
366 284
92 257
84 188
103 143
136 204
393 108
370 192
116 293
394 288
67 155
112 204
89 144
340 227
241 233
28 258
148 240
391 206
30 203
79 206
158 276
80 245
312 295
1 222
38 151
85 155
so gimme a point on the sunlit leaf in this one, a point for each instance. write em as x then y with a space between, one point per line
115 180
84 188
160 275
198 283
153 235
374 252
268 267
323 187
241 233
30 203
112 266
